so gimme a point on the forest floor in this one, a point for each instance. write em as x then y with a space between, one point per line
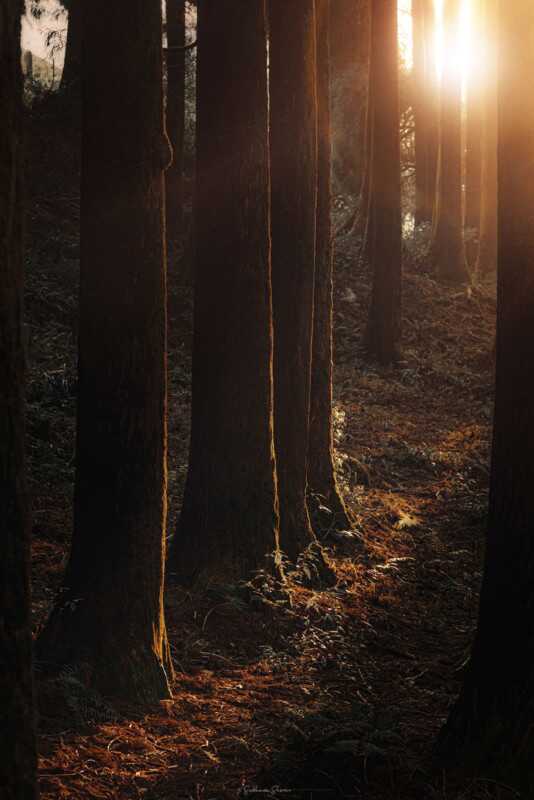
287 692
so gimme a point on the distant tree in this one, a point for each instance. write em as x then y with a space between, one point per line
293 141
424 107
487 251
175 119
229 520
384 234
476 80
108 618
17 732
321 475
490 727
447 250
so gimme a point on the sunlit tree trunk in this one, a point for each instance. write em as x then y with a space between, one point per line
422 17
447 250
384 234
17 733
321 476
228 524
109 615
175 116
476 89
487 253
432 103
490 728
293 140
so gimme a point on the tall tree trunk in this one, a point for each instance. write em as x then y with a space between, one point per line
17 732
421 67
385 238
109 615
474 138
72 68
490 727
293 139
349 84
228 524
432 103
447 249
487 252
175 117
321 475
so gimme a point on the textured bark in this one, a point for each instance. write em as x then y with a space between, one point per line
447 249
109 614
17 737
321 475
384 237
228 523
349 81
175 115
490 727
474 138
293 139
424 89
487 251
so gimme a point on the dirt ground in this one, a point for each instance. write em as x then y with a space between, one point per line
287 692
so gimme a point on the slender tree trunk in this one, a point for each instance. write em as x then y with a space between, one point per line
490 728
17 731
385 238
228 525
175 118
321 475
487 252
474 139
109 614
293 139
447 250
432 103
421 66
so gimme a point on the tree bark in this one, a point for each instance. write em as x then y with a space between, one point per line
490 727
474 139
109 614
487 251
175 118
384 238
17 728
424 90
293 141
321 475
447 249
229 521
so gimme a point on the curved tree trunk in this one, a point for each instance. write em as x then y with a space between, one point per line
385 235
109 615
228 524
321 475
447 249
17 732
293 139
490 728
175 116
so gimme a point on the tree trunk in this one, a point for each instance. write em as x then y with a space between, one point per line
432 102
349 84
293 140
321 475
385 237
109 614
487 252
17 730
424 86
72 68
228 524
447 249
474 138
175 118
490 727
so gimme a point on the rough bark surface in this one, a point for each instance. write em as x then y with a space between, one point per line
384 238
490 728
447 250
175 114
109 614
293 140
17 736
228 524
321 475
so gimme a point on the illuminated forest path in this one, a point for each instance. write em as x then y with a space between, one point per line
339 690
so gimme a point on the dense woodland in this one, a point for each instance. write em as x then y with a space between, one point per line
266 427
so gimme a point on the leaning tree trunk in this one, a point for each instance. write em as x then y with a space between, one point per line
447 249
385 236
474 138
109 615
487 251
229 521
321 475
293 139
175 117
490 728
17 731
